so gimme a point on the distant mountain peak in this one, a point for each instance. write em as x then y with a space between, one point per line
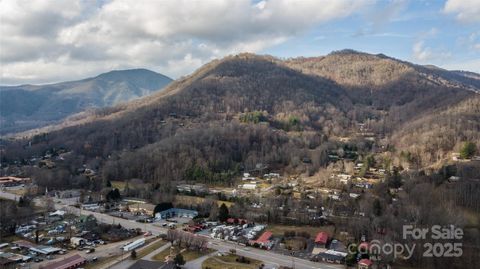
31 106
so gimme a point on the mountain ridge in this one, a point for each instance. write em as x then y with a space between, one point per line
30 106
247 109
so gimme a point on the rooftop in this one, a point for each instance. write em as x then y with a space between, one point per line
264 238
322 238
70 262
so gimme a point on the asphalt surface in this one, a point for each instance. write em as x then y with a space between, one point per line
220 245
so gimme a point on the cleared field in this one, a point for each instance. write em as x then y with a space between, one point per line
188 255
229 262
193 200
279 230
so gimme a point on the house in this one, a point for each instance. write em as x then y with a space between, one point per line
71 262
176 212
321 239
320 243
364 264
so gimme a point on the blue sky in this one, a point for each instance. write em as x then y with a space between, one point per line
47 41
439 38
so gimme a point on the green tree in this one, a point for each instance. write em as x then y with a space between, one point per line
133 254
223 213
468 150
179 260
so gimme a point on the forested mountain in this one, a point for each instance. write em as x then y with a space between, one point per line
30 106
248 111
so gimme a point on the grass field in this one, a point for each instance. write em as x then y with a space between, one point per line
19 192
193 200
188 255
278 230
229 262
152 247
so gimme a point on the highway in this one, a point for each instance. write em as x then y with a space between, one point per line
220 245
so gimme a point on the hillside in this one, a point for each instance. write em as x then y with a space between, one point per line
31 106
245 110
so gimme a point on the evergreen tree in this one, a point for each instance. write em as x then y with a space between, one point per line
377 207
223 213
468 150
179 260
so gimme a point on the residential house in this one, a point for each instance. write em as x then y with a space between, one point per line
364 264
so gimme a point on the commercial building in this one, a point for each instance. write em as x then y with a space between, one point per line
13 181
176 213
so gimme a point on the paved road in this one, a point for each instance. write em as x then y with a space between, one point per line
262 255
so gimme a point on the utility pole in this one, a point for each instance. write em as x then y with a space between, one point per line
293 260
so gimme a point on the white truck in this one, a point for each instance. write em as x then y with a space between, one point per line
135 244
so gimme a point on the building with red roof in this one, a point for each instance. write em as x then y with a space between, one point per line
365 264
263 240
67 263
363 247
321 239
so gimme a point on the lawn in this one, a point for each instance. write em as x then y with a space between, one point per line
149 248
103 262
229 262
188 255
279 230
120 185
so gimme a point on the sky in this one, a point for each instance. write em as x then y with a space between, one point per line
46 41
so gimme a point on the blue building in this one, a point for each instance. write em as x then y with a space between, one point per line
176 213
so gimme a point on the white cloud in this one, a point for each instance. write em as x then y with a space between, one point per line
424 53
45 41
420 52
465 10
